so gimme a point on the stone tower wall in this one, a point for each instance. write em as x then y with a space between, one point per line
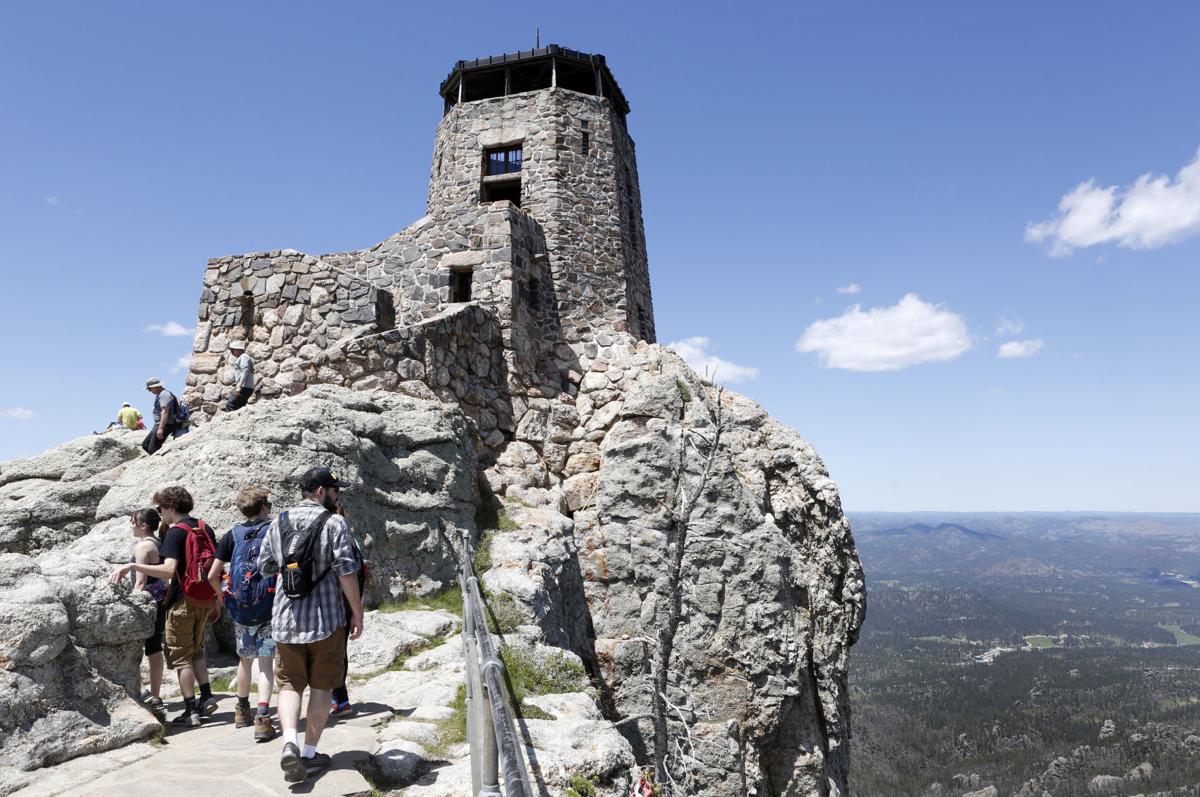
587 204
314 319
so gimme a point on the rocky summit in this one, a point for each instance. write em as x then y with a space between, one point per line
572 539
670 573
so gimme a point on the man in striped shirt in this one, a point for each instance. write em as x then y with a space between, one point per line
308 633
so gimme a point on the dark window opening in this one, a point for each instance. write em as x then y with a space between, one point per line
535 295
497 192
385 311
505 160
460 286
247 302
483 83
529 77
584 143
577 77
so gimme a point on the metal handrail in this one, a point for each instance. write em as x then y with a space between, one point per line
491 731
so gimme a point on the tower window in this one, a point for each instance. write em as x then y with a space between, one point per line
385 311
460 286
505 160
496 192
502 175
585 140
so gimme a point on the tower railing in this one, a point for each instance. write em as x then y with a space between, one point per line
496 755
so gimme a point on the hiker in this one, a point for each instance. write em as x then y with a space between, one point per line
339 706
128 417
166 416
243 376
145 526
187 553
305 545
248 599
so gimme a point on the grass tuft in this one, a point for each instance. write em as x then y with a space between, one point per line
420 647
224 683
449 600
453 729
502 612
555 674
684 391
581 787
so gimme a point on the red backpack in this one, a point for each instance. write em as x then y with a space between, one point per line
200 552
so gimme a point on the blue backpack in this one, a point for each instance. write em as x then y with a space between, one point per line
248 596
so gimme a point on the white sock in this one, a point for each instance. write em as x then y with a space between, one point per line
291 736
310 750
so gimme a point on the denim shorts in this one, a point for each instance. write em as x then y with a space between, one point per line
253 640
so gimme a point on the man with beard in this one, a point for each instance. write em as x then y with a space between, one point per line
309 546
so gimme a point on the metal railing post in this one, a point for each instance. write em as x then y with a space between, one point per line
491 756
495 747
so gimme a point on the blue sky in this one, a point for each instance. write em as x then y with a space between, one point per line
785 151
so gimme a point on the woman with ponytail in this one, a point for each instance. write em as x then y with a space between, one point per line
146 527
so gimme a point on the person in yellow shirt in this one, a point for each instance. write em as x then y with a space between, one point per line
128 416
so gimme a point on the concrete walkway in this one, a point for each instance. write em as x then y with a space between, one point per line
401 708
217 760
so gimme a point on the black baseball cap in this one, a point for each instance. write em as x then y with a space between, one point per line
320 477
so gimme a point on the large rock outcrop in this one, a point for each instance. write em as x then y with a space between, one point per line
771 593
70 643
412 463
50 499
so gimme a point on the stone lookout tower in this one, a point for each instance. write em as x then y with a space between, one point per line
527 269
545 130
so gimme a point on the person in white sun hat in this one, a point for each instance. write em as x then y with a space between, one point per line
243 376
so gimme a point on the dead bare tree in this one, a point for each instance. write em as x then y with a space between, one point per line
679 519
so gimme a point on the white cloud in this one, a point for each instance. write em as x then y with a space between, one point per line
908 333
695 353
1014 349
1152 212
851 289
20 413
171 329
182 364
53 200
1009 326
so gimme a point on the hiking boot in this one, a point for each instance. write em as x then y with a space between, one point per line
207 706
243 717
340 710
292 764
264 729
157 708
188 719
317 764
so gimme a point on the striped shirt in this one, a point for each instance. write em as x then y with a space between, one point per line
300 621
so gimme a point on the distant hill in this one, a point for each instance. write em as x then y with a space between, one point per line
927 531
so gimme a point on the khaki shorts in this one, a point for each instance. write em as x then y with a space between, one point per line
183 637
319 665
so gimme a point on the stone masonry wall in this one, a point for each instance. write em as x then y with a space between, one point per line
587 204
313 320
